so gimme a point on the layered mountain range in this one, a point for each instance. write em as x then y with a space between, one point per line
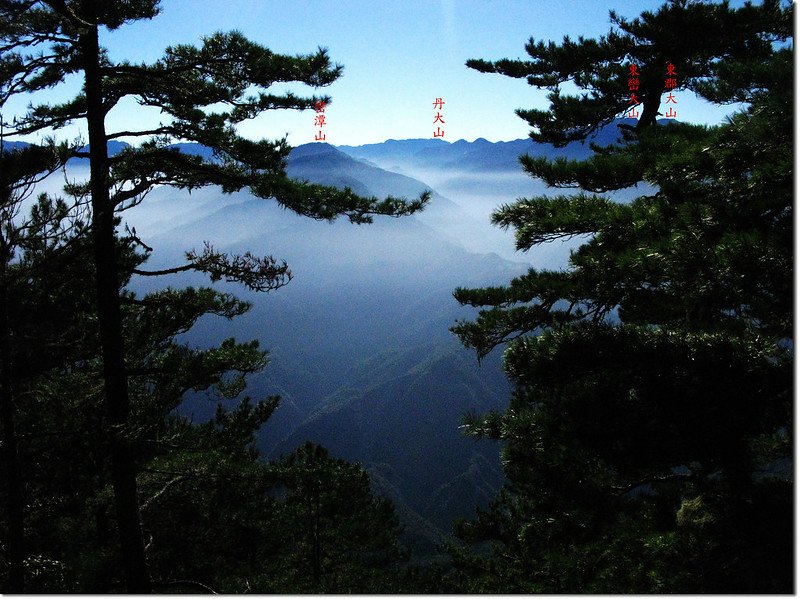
361 352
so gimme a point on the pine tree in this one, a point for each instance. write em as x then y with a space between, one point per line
44 41
62 435
343 538
652 401
214 514
303 523
50 225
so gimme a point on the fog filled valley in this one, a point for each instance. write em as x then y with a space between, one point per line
360 350
359 342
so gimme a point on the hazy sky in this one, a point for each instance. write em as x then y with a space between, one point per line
398 57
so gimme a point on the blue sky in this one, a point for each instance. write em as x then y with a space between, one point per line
398 58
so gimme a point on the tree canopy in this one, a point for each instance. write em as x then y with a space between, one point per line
203 93
647 439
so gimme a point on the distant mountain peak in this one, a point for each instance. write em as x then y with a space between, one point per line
315 146
313 149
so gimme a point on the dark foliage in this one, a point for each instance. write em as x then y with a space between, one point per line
647 442
100 375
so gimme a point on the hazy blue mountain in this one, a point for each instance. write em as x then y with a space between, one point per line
479 177
411 155
10 146
395 400
359 342
322 163
325 164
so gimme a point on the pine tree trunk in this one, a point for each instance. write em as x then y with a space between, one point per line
123 470
652 101
15 541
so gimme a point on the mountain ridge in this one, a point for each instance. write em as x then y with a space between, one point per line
360 346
